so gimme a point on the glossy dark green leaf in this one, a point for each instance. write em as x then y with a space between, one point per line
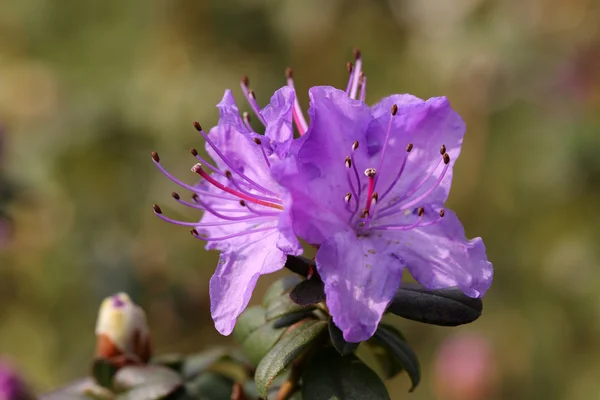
299 265
338 342
260 342
379 359
308 292
197 363
154 391
278 288
292 345
103 371
152 381
249 321
389 337
210 386
283 305
170 360
329 376
84 389
292 318
445 307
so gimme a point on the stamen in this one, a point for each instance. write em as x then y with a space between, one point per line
251 219
297 111
262 149
443 150
399 174
216 213
261 213
349 164
370 173
238 172
198 169
246 119
195 233
356 174
251 98
156 209
442 213
175 195
356 73
363 88
347 197
199 207
204 162
235 184
349 67
375 197
435 185
387 137
409 147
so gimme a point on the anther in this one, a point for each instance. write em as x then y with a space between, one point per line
197 126
156 209
349 67
446 158
357 54
155 156
364 214
197 168
246 116
257 140
443 150
409 147
420 211
347 197
348 162
375 197
195 197
370 172
394 109
442 213
194 232
245 81
251 94
289 73
228 174
355 145
194 152
242 203
175 195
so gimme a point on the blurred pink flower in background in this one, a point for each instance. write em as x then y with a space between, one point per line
465 368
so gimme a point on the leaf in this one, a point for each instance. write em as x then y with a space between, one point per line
278 288
337 340
445 307
103 371
197 363
249 321
283 305
308 292
146 382
394 341
300 265
329 376
292 318
83 389
260 342
171 360
153 391
210 386
378 358
292 345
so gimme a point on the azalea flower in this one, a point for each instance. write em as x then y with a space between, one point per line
11 385
246 213
368 187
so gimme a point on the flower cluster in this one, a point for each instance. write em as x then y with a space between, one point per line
365 185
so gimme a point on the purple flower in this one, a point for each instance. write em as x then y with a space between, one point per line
11 386
246 213
368 186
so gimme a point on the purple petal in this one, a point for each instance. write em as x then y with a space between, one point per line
230 114
361 276
235 278
440 256
278 115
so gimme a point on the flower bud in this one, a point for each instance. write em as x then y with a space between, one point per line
11 386
122 331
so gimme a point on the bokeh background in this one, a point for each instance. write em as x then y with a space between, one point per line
89 89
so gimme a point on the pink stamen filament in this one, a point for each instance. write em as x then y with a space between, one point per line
253 104
297 111
370 190
256 196
233 169
198 169
234 235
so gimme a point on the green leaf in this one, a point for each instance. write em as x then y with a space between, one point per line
299 265
394 341
146 382
84 389
260 342
210 386
379 359
249 321
278 288
328 376
171 360
337 340
292 345
291 319
308 292
103 371
445 307
197 363
283 305
153 391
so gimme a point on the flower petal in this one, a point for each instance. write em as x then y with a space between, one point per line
361 276
235 278
278 115
440 256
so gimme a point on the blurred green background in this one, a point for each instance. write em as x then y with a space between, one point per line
89 89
